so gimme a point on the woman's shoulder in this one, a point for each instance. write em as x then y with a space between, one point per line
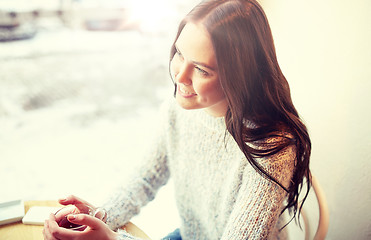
271 142
267 134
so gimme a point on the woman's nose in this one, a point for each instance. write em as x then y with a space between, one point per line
183 75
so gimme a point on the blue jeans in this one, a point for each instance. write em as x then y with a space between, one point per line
173 236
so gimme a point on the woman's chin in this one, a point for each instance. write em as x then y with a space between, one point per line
185 103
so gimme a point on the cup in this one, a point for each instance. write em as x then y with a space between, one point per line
61 215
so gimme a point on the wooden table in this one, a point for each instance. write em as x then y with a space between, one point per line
20 231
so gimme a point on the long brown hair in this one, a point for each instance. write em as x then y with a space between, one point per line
254 86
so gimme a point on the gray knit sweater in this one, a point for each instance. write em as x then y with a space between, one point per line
219 195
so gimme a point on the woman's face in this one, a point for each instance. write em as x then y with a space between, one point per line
194 70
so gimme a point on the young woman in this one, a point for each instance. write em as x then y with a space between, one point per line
232 140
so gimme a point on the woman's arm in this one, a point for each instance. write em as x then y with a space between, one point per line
153 173
259 201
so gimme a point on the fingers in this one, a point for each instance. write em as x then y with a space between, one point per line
52 231
50 226
61 213
83 219
96 229
71 199
46 231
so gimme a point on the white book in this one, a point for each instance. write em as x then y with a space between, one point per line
11 211
37 215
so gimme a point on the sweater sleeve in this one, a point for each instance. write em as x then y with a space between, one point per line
126 201
259 201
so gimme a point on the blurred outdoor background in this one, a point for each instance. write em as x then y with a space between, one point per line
81 82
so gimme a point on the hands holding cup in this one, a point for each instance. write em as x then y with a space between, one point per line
79 220
63 214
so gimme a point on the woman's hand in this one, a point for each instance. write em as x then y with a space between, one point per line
96 230
74 200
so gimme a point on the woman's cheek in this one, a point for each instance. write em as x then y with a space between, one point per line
201 86
174 67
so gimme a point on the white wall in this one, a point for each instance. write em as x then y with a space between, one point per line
324 50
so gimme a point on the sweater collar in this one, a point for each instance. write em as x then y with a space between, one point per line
211 122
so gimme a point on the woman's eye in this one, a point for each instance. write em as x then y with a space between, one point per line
178 53
202 72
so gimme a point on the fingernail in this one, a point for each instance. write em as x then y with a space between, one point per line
71 217
63 199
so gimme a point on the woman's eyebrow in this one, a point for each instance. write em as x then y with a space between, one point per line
196 62
204 65
176 48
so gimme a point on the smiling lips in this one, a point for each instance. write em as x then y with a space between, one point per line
185 93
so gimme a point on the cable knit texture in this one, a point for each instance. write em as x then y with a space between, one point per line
219 194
